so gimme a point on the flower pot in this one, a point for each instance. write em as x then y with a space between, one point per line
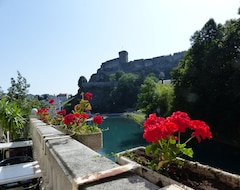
92 140
206 177
60 128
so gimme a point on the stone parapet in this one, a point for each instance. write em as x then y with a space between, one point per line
68 164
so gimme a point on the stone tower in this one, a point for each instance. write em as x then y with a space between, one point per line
123 57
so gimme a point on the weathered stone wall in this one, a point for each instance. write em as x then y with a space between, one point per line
64 161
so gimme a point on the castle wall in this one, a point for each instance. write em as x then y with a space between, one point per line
111 64
154 65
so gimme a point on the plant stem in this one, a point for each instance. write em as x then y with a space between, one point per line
179 135
189 139
160 144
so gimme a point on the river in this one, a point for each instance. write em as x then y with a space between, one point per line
120 134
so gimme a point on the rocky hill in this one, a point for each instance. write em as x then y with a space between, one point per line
101 87
155 65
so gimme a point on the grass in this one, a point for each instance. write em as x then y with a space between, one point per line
139 118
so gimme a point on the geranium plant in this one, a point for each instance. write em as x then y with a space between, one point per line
79 122
76 122
50 115
165 136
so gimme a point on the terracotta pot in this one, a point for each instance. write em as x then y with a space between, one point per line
232 181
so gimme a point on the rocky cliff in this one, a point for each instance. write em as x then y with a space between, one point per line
101 87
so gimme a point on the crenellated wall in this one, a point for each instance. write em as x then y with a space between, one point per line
65 162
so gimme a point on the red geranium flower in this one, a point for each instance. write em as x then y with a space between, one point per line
43 111
88 96
61 112
157 128
165 135
69 118
201 129
51 101
98 119
78 115
181 119
84 115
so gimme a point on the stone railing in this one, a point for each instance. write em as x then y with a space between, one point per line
67 164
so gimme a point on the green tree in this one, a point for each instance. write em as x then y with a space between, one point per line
119 74
18 92
116 76
147 96
161 76
11 118
125 93
154 97
19 106
164 99
207 80
18 89
81 82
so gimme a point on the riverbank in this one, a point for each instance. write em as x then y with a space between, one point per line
136 117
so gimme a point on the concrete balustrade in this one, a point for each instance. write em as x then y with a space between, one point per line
67 164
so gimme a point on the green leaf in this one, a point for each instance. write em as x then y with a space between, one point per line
148 149
180 146
172 141
187 151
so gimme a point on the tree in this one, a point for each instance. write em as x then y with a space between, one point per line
18 107
119 74
18 89
17 92
81 81
146 98
161 76
11 118
125 93
164 99
155 97
207 80
116 76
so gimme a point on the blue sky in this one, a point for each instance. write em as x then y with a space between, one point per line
54 42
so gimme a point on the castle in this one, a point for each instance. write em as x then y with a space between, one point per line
155 65
101 86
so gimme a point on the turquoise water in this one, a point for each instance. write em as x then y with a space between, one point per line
122 134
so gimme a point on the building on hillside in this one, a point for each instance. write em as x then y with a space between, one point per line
156 65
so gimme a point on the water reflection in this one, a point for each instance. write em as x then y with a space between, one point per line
122 134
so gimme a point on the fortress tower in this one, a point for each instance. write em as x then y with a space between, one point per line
123 57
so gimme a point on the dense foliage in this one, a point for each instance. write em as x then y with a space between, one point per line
207 80
15 108
155 97
81 82
11 118
124 95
